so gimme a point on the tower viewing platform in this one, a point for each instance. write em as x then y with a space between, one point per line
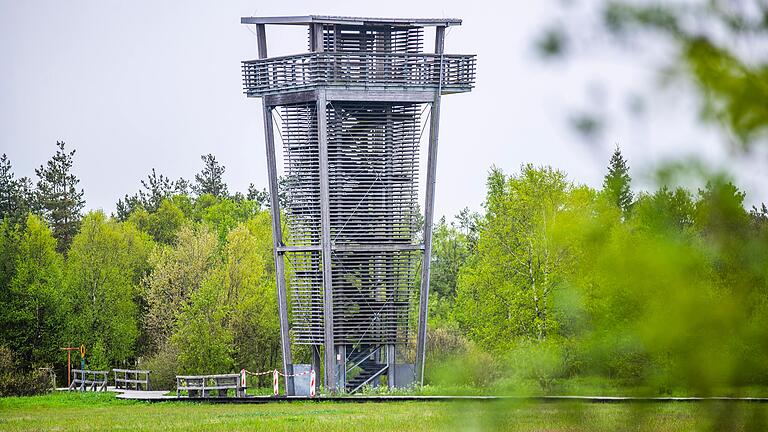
385 55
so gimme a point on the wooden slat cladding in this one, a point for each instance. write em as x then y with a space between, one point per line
373 151
379 39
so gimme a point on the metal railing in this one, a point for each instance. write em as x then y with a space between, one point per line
208 385
450 73
129 379
85 380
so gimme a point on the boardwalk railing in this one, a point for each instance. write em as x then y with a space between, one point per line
85 380
209 385
450 73
129 379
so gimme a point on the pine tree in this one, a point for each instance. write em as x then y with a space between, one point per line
260 196
210 179
617 181
155 189
16 196
57 195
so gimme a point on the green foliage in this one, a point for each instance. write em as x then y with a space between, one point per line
505 290
19 382
164 364
105 264
155 190
716 46
617 182
734 91
211 179
451 247
224 214
58 197
250 281
235 307
178 271
33 313
204 343
16 196
162 224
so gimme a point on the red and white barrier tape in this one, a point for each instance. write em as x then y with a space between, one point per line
312 383
276 380
294 375
258 373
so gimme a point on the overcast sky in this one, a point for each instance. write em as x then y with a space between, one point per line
136 85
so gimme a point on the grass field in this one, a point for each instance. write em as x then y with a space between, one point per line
75 411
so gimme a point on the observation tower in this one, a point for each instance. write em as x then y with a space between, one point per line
354 260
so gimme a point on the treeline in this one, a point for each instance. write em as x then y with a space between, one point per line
556 282
180 279
552 283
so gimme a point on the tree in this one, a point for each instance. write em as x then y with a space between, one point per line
58 197
617 181
162 224
204 342
16 196
223 214
105 265
155 189
664 210
262 196
451 248
249 278
210 180
178 271
505 290
32 317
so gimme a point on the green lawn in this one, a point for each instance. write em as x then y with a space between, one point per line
75 411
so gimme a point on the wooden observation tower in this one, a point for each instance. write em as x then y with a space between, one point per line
349 116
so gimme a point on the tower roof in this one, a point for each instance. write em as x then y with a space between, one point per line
354 21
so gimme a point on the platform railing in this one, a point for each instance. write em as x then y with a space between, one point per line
84 380
450 73
209 385
130 379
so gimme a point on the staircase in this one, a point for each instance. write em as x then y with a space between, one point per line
364 366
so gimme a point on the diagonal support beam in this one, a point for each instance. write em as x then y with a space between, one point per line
277 232
429 210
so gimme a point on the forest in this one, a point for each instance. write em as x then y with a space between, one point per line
553 286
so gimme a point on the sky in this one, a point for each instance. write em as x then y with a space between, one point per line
156 84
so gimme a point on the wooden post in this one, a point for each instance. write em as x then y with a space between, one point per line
429 209
69 363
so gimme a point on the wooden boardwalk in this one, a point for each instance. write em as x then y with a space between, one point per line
156 396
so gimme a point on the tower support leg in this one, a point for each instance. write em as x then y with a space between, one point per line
277 242
325 221
429 210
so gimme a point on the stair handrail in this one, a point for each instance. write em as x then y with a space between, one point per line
364 359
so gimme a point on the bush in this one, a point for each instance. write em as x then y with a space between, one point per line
17 382
443 343
164 366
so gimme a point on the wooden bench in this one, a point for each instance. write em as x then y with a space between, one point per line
85 380
209 385
129 379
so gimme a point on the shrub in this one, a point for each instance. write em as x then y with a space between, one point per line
164 366
17 382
